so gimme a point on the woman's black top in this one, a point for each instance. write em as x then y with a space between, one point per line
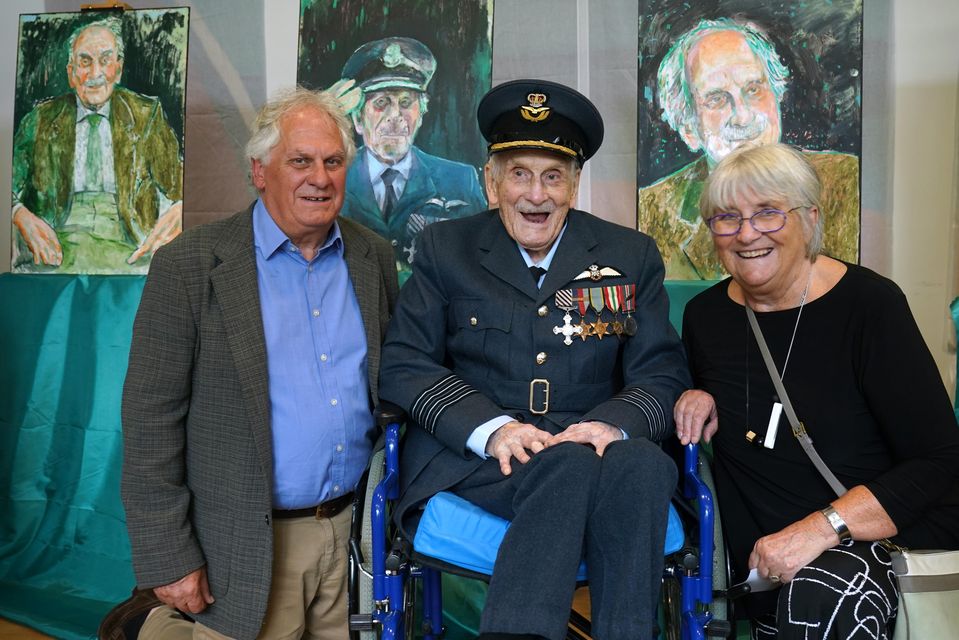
863 382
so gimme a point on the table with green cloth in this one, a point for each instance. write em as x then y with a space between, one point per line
64 553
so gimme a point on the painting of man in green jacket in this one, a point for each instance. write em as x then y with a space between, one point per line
97 172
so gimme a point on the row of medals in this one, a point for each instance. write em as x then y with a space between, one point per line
620 326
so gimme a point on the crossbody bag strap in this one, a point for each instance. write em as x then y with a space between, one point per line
797 427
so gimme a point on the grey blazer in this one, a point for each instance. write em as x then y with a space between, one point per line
197 468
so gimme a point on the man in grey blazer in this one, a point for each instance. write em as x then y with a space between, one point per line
532 349
247 409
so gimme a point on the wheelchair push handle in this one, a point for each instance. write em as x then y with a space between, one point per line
387 413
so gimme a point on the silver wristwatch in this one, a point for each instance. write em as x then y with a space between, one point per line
837 523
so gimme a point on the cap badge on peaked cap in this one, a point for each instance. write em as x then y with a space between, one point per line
535 111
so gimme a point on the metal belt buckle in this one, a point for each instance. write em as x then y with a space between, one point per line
532 394
800 430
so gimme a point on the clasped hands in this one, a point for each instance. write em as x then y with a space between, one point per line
520 440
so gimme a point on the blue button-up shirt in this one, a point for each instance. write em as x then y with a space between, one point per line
320 415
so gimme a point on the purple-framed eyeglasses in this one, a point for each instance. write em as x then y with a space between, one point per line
763 221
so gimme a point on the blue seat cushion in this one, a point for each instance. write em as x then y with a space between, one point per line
458 532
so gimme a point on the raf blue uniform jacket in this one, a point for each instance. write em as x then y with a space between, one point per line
471 331
437 189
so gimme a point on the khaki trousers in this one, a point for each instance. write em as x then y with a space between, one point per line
308 597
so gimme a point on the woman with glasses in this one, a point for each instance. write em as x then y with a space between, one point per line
861 381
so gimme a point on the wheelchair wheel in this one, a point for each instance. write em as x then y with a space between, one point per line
361 553
671 609
721 607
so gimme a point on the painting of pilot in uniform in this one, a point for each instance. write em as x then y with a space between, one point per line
734 73
97 157
412 107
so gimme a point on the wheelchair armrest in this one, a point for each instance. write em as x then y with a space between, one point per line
386 413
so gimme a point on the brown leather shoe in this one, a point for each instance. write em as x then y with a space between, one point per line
123 621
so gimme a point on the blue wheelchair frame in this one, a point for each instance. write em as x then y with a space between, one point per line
393 571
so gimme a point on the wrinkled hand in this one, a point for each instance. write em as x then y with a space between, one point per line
787 551
168 226
695 416
597 434
347 94
40 237
512 440
189 594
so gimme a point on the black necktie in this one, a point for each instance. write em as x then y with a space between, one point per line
537 273
389 203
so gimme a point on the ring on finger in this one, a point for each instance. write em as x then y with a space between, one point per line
775 578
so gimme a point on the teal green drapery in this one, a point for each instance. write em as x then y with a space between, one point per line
64 553
954 310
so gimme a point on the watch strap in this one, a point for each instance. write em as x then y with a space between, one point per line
837 523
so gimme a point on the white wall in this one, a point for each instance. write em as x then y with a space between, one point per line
925 55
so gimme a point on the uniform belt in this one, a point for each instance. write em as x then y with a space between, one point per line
540 396
326 510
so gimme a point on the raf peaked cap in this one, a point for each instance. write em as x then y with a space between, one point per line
391 63
536 114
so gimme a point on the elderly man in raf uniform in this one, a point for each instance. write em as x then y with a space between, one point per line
394 187
532 351
97 173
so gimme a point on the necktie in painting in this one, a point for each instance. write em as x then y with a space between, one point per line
389 203
94 161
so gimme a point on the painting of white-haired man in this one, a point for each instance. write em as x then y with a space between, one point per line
721 85
97 166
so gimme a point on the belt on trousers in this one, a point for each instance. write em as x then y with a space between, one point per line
326 510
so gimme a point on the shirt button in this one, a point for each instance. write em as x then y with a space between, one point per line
333 402
310 269
541 357
316 313
339 448
324 357
542 311
473 321
336 488
394 242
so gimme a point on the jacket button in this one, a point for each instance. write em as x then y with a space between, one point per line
541 357
473 321
542 311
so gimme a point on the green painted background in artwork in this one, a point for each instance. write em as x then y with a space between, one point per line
459 34
155 55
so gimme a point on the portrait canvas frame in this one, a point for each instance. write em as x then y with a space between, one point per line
820 44
384 49
154 74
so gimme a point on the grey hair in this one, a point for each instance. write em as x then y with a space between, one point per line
113 25
497 164
674 94
776 171
266 127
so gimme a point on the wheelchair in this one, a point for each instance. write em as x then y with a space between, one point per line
395 584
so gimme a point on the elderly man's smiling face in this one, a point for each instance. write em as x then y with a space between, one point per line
734 103
389 122
534 191
95 66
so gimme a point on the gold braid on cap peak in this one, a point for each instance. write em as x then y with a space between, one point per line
526 144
